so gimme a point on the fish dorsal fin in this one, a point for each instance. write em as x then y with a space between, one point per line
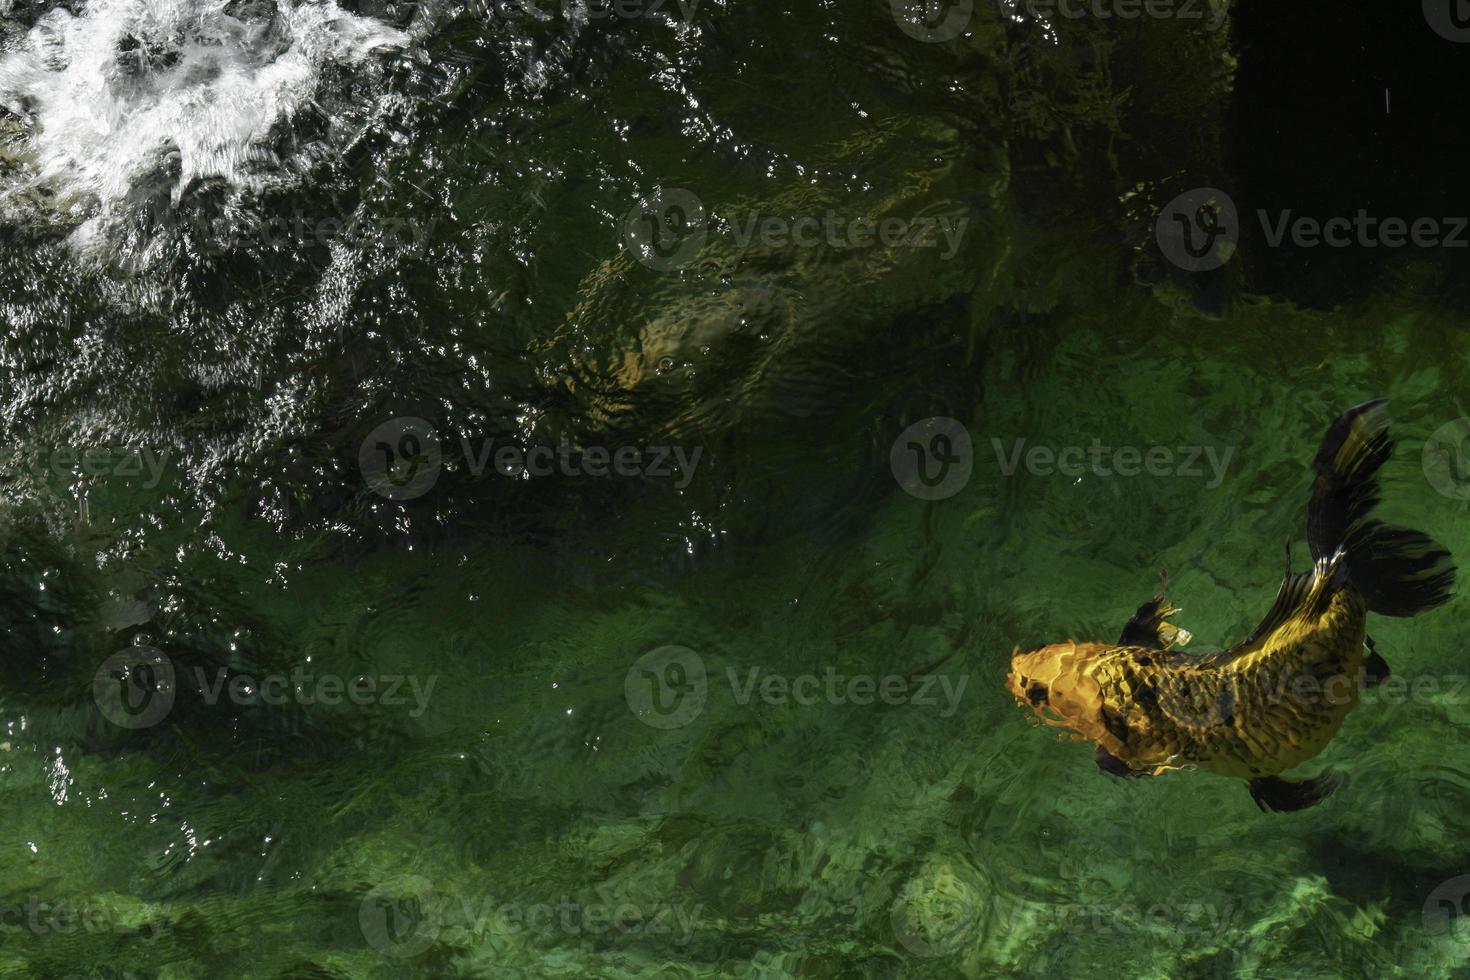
1294 590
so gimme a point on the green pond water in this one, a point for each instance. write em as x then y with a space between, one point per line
297 683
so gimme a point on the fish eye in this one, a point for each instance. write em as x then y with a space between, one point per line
1036 694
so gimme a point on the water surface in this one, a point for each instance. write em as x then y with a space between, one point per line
281 282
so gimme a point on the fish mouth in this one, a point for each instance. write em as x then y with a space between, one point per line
1035 695
1037 698
1025 680
1052 683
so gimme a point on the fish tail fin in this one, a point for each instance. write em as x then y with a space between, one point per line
1397 571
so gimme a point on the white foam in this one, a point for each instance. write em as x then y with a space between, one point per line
134 100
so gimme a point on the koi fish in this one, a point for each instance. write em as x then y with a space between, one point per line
1277 698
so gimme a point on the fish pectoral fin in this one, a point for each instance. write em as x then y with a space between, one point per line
1277 795
1375 668
1150 626
1114 766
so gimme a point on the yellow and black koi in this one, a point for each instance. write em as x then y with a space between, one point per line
1274 700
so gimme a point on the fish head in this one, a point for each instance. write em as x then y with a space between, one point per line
1057 683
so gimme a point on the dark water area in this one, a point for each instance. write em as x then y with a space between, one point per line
519 490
